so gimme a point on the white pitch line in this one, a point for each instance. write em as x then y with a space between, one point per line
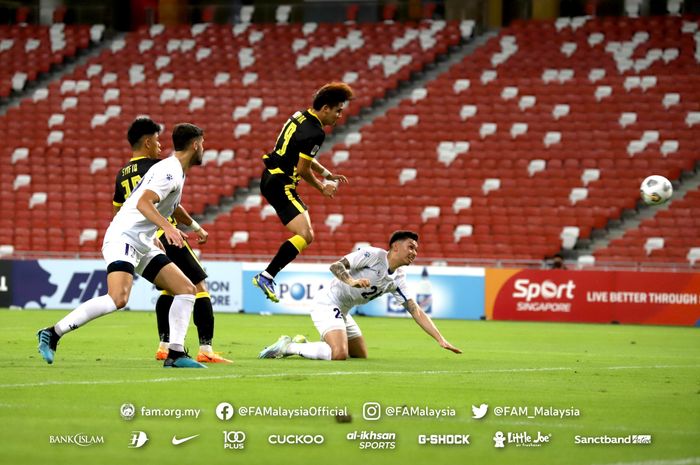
687 461
338 373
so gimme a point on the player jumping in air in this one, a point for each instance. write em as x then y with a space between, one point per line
360 277
291 160
129 247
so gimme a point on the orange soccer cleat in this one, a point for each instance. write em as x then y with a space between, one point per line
211 357
161 354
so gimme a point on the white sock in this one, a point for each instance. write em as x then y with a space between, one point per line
179 319
206 349
310 350
267 275
86 312
163 345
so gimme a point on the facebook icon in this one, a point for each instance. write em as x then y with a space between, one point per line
224 411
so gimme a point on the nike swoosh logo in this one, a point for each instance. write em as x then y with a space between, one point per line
177 441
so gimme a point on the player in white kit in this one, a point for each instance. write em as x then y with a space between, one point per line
360 277
130 246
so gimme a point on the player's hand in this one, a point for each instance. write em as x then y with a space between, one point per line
363 282
174 236
329 189
202 236
446 345
158 244
337 178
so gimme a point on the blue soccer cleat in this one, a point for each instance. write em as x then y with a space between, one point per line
276 350
48 340
182 362
266 285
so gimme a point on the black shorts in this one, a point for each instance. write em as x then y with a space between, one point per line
185 259
281 193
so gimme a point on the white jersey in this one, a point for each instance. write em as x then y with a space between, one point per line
166 178
369 263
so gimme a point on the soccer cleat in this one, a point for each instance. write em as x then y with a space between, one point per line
212 357
266 285
300 339
277 349
182 362
48 340
161 353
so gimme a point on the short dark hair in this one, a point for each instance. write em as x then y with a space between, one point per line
183 134
141 126
332 94
401 235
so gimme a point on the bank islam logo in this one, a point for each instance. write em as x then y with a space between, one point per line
234 440
480 411
520 439
78 439
127 411
138 439
177 441
224 411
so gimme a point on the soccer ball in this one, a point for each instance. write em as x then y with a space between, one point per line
655 190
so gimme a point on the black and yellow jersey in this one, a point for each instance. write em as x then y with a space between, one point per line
129 177
301 136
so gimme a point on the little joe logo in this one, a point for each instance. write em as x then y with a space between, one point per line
520 439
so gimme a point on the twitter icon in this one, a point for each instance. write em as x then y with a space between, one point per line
480 411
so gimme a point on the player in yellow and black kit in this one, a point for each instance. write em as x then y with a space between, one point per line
143 138
291 160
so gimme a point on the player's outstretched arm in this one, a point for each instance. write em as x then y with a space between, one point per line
341 270
428 326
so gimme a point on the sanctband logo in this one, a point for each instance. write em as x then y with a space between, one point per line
234 440
78 439
296 439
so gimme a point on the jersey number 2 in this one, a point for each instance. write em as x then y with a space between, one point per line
373 293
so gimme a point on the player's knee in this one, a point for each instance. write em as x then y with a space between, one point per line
308 236
120 299
339 354
201 286
188 288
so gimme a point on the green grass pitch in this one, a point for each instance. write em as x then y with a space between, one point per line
623 379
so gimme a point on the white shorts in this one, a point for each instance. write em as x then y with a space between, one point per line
328 317
121 250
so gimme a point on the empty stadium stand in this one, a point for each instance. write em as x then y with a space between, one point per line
521 149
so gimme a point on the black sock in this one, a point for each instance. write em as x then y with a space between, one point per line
175 354
53 342
162 312
285 255
203 316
